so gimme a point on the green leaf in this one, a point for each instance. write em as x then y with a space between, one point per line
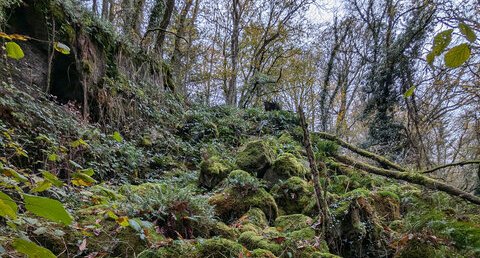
117 137
14 50
441 41
430 58
42 186
467 32
12 173
31 250
8 208
62 48
53 157
52 178
409 92
82 179
457 56
47 208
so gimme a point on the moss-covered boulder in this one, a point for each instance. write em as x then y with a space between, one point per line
212 172
255 157
293 222
251 240
172 250
286 166
294 195
220 248
253 220
232 203
262 253
221 229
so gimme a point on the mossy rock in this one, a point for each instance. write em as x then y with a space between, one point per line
220 248
251 240
175 249
262 253
294 195
254 217
221 229
387 205
293 222
322 255
232 203
212 172
286 166
255 157
419 246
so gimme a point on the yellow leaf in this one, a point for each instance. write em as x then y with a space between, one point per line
80 182
19 37
123 221
5 36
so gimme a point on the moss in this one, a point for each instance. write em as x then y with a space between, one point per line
252 240
232 203
283 168
302 234
385 193
322 255
387 205
222 230
255 157
262 253
220 248
212 172
294 195
340 207
293 222
418 248
254 216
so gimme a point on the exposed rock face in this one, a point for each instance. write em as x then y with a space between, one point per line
361 232
255 157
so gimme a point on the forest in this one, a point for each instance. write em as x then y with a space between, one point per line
240 128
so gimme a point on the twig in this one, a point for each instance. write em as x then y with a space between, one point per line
167 31
461 163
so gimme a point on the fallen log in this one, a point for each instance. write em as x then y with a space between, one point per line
411 177
360 151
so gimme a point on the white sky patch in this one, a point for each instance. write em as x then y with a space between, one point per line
325 11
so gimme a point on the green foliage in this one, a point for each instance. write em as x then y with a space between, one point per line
457 56
47 208
8 208
242 180
14 50
441 41
467 32
31 249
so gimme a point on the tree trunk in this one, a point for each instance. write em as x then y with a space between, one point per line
164 25
231 94
176 60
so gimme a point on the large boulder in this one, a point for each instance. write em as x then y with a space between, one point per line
212 172
286 166
242 193
294 195
255 157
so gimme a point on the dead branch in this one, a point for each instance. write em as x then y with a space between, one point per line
320 198
461 163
